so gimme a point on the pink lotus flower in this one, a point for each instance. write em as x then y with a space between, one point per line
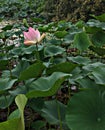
32 36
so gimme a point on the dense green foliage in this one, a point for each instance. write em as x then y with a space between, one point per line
57 83
51 10
13 9
69 60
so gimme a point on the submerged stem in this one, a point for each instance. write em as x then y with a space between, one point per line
59 115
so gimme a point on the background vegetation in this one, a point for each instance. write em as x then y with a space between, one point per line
74 10
52 10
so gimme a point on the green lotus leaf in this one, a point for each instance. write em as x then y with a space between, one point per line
98 39
32 71
53 111
99 75
79 60
16 118
100 17
81 41
60 34
65 67
53 50
47 86
6 83
86 110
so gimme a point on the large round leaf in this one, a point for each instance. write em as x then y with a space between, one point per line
65 67
96 23
99 74
79 60
6 83
86 110
54 111
6 101
98 39
60 34
81 41
32 71
20 68
47 86
53 50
